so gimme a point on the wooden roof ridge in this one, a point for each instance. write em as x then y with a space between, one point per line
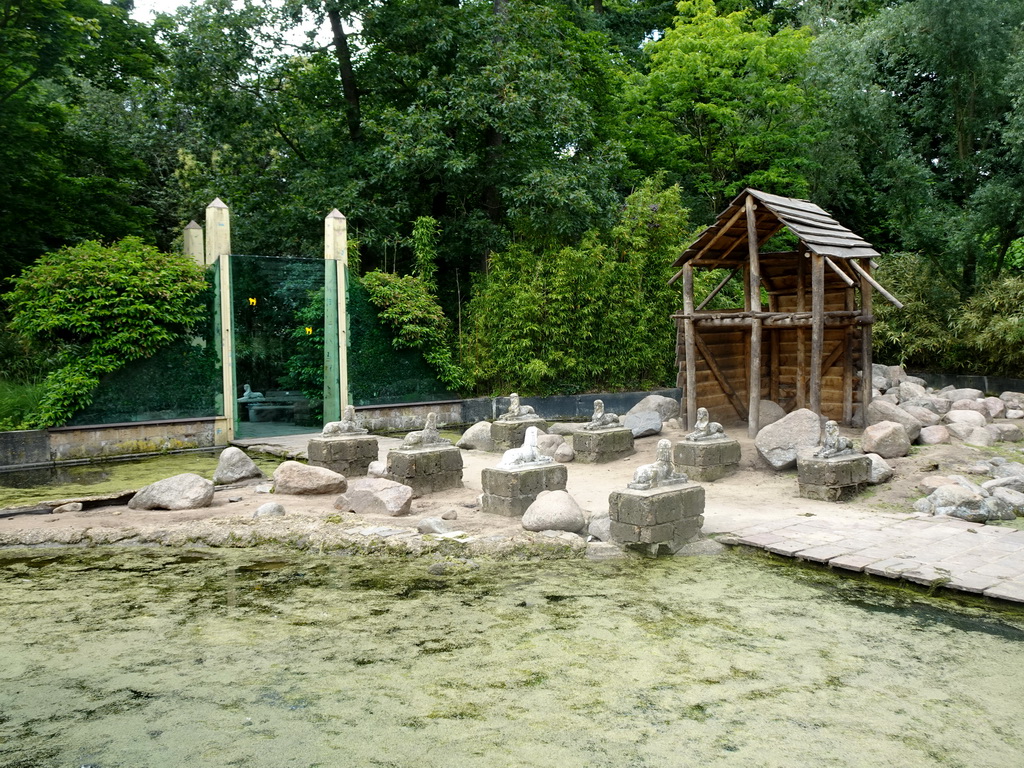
817 230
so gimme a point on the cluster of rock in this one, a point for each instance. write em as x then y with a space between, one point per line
1001 497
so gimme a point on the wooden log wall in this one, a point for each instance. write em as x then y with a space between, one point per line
722 384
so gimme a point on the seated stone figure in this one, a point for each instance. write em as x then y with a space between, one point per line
347 426
516 410
600 419
833 444
427 436
248 395
705 429
661 472
526 454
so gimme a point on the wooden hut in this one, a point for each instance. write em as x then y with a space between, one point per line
810 347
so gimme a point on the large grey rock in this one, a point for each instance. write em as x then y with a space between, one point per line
294 477
960 431
547 445
780 442
937 405
1008 469
888 439
768 412
980 436
477 437
564 453
376 496
1014 498
958 501
600 526
565 428
554 511
1009 433
936 435
432 525
908 391
1013 413
1013 399
270 509
966 393
880 470
880 377
926 417
972 405
185 491
234 466
1013 482
971 418
879 411
996 407
666 407
642 423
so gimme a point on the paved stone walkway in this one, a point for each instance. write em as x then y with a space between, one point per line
942 551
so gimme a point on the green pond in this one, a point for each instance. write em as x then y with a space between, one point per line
138 657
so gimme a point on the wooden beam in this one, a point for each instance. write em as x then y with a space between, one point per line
874 283
866 379
832 358
848 338
801 335
817 329
754 379
691 362
843 276
711 242
727 388
718 288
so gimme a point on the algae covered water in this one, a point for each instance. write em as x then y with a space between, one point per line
132 658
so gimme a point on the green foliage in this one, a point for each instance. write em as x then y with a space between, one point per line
584 318
96 308
17 400
990 328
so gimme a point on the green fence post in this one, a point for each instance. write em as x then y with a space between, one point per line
335 316
218 250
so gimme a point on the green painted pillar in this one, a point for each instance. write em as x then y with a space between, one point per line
335 316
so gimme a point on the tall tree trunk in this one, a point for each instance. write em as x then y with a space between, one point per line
348 80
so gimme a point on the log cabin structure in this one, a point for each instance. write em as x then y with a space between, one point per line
810 347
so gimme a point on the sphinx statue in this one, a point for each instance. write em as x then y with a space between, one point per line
600 419
347 426
661 472
516 410
427 436
248 396
526 454
833 444
705 429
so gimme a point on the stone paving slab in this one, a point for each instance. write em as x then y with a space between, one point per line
942 551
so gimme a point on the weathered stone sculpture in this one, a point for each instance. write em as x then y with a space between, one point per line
426 437
600 419
661 473
527 454
248 395
516 410
833 444
347 426
705 429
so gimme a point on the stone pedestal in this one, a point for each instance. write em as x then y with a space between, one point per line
834 479
510 491
600 445
658 521
349 456
707 460
426 470
510 434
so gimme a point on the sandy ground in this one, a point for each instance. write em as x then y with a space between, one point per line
754 494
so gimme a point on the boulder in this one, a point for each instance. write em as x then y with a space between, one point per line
1009 433
971 405
957 501
1008 469
270 509
565 428
780 442
642 423
377 469
936 435
908 391
970 418
1013 413
930 483
1013 400
937 405
432 525
666 407
891 397
600 526
564 453
888 439
926 417
768 412
880 377
980 436
547 445
554 511
477 438
185 491
294 477
1013 482
376 496
996 407
966 393
880 470
960 431
234 466
916 380
1014 498
880 410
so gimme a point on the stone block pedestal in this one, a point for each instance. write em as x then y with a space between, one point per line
834 479
658 521
426 470
510 492
349 456
707 460
600 445
510 434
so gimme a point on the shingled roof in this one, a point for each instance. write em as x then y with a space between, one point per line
720 244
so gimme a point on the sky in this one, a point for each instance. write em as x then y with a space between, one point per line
145 10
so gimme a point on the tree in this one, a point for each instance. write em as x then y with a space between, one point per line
96 308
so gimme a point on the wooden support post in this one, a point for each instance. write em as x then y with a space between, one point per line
801 334
754 300
335 315
865 274
866 379
774 358
691 351
218 250
817 329
719 287
848 337
723 382
194 243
